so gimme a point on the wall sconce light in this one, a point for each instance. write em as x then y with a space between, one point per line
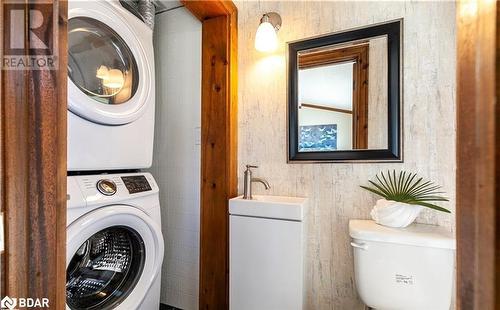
266 39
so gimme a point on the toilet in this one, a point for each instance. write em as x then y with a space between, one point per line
403 268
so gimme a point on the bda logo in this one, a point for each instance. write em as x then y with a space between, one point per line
22 302
8 303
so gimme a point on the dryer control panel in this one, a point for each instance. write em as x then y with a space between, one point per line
136 184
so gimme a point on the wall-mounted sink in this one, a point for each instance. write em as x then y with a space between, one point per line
275 207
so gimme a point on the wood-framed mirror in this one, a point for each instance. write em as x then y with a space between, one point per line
344 96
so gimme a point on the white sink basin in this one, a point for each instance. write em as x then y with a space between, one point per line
274 207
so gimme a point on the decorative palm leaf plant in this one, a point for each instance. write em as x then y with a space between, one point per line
407 188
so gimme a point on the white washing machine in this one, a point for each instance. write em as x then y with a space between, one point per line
111 88
114 242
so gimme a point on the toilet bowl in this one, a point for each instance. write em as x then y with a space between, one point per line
403 268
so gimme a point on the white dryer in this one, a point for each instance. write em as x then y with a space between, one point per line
111 88
114 242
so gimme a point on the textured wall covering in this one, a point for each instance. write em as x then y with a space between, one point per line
377 94
429 126
176 158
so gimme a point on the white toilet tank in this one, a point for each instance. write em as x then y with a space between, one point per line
403 268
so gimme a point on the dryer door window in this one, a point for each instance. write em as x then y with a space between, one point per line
105 269
100 63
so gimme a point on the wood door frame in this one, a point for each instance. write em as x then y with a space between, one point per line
33 162
478 155
219 179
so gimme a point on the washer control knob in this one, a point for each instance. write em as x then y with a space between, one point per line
106 187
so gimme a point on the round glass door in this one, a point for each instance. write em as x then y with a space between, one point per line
100 63
105 269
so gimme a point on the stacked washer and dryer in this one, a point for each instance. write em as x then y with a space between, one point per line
114 240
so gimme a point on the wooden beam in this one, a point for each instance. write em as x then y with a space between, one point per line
325 57
476 149
497 164
209 9
323 107
219 179
360 99
3 277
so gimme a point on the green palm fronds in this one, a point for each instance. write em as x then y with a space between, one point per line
408 188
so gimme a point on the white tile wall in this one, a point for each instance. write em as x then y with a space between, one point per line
176 162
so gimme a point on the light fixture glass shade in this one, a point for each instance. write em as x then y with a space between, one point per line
266 39
114 80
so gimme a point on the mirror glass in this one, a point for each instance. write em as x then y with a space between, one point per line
344 95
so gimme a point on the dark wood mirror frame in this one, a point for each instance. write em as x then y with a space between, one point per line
394 151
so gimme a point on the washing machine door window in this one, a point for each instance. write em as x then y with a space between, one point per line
100 63
110 63
114 254
105 268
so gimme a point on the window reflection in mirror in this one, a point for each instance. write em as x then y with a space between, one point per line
342 96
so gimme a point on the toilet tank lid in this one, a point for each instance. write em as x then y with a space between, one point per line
416 234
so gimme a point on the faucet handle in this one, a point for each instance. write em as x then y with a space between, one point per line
251 166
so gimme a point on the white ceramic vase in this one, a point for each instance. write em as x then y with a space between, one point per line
394 214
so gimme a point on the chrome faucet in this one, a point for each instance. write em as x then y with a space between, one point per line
248 180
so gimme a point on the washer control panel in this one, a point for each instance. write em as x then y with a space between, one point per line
136 184
106 187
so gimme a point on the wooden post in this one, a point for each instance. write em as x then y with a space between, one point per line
33 170
477 156
219 145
